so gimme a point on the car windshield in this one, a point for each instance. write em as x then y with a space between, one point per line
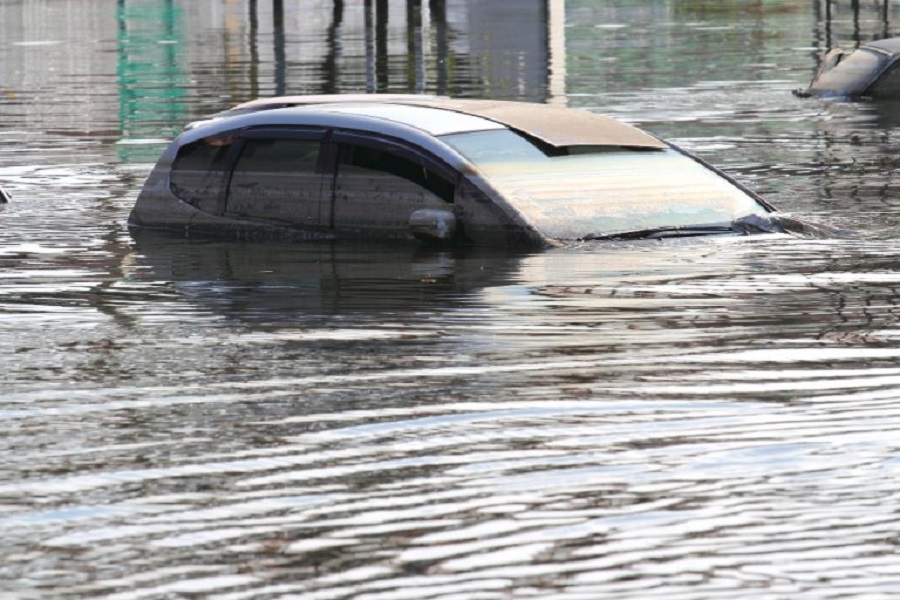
593 191
851 75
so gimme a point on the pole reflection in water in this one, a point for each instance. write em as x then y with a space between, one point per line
278 40
381 46
513 55
438 10
253 44
414 49
370 47
869 21
333 55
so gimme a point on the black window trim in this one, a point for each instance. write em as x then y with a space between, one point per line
402 148
284 132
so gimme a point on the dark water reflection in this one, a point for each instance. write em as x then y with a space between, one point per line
187 418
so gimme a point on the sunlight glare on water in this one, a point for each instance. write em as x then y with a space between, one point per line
712 418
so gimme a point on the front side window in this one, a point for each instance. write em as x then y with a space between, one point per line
277 180
603 190
379 188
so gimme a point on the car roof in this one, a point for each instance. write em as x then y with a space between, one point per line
554 125
888 46
433 121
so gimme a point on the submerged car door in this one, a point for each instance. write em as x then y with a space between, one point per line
277 177
380 182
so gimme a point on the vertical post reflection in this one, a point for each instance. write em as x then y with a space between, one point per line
532 63
330 67
381 45
820 45
278 41
556 51
370 46
415 59
253 42
438 9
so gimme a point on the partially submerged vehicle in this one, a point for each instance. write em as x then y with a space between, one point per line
871 71
472 172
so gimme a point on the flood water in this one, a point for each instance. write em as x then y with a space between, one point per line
205 419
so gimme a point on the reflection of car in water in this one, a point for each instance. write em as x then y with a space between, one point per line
283 281
467 172
871 71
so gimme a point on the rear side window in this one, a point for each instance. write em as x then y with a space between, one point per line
278 156
199 171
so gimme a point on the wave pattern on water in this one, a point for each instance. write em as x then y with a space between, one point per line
621 450
576 497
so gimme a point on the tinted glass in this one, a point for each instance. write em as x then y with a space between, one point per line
378 189
198 173
276 179
606 190
888 85
390 163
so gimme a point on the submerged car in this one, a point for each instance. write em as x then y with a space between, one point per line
473 172
871 71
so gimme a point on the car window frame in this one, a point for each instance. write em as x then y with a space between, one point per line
402 148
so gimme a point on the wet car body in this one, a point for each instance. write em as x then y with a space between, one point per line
871 71
469 172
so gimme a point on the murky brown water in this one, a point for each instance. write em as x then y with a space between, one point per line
188 419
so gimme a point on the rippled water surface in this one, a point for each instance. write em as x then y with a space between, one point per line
206 419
